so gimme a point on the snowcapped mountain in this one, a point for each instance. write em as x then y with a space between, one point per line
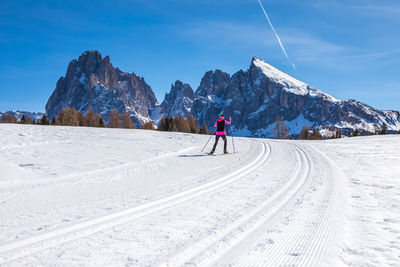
92 81
256 97
17 114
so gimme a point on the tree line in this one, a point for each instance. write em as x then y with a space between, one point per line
280 131
182 124
72 117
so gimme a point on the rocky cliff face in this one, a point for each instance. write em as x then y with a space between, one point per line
92 81
178 101
256 97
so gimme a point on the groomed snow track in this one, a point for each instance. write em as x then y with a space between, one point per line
50 239
288 197
309 240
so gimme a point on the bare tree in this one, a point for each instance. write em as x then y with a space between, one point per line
182 125
148 126
280 131
8 118
126 121
204 129
193 124
91 119
68 116
114 120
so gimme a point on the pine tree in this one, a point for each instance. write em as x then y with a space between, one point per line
315 135
304 133
148 126
114 120
53 121
127 122
384 128
162 125
26 120
44 120
101 122
338 133
193 124
280 131
356 132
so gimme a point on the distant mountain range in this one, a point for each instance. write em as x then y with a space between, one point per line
17 114
256 97
253 98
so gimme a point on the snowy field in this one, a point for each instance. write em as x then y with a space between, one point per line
112 197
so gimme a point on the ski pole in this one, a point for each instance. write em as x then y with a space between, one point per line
233 143
207 143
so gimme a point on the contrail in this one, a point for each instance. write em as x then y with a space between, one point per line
276 35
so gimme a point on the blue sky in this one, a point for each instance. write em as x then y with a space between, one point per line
349 49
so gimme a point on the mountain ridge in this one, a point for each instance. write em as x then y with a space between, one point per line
254 98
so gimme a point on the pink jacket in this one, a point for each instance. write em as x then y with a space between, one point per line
221 132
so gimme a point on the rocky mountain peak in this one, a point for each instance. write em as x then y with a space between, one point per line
212 82
178 101
91 81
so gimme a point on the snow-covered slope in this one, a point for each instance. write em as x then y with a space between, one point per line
111 197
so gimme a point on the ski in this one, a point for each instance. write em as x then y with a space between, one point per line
221 154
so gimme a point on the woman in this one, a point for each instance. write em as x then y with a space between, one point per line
220 133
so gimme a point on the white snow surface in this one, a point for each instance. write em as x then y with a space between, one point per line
73 196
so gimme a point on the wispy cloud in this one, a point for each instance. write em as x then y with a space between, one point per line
373 8
374 55
227 33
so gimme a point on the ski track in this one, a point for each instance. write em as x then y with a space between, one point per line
297 245
83 177
20 248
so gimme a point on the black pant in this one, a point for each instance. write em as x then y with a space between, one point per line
216 142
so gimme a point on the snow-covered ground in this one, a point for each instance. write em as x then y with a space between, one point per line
99 197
